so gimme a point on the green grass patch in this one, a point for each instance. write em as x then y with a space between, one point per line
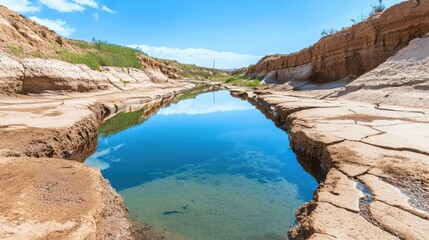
102 54
83 45
37 55
17 51
121 122
238 81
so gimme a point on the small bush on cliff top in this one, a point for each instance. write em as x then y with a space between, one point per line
378 8
328 32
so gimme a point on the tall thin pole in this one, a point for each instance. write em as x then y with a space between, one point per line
214 63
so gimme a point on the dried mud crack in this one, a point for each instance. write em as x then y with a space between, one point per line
361 179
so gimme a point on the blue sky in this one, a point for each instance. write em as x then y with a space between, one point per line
234 32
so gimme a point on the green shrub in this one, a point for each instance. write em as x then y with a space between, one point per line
378 8
328 32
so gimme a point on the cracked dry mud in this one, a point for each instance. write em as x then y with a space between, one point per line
382 148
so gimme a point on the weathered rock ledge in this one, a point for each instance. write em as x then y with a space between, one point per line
372 162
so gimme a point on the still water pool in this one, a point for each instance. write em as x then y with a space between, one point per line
211 167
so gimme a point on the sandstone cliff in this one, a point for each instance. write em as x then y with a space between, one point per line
350 52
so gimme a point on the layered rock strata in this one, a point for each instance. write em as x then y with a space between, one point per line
351 52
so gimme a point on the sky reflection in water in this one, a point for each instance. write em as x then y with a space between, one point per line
204 164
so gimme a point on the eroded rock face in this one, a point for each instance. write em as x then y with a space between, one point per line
402 80
11 75
41 75
35 75
160 70
353 51
20 32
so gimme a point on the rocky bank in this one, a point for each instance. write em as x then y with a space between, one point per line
372 162
367 143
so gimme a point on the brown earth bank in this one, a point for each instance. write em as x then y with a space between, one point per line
350 52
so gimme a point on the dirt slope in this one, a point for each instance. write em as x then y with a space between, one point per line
350 52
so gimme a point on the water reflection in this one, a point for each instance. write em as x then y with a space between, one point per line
204 164
206 104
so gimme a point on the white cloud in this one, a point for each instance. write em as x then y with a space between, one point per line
90 3
22 6
59 26
201 57
73 5
63 5
102 158
97 163
106 9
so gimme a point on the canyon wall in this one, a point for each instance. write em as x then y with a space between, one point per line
350 52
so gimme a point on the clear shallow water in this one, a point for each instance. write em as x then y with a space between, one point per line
212 167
